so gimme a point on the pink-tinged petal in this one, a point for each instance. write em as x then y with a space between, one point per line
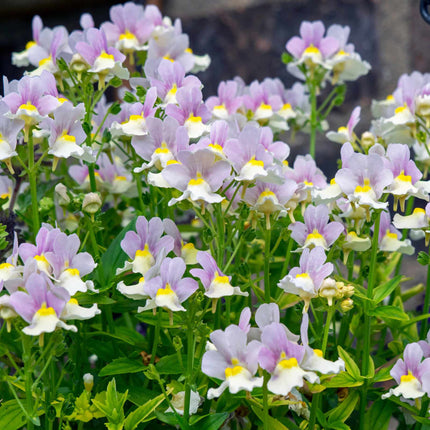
267 314
84 262
245 317
185 288
214 364
329 46
131 243
398 370
267 359
23 305
412 356
332 231
152 286
172 270
354 119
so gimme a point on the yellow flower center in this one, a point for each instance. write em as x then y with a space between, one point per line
143 252
314 235
30 44
342 130
106 56
318 352
288 363
193 118
265 106
404 178
233 371
166 291
303 275
198 181
73 272
163 149
127 36
5 266
73 302
407 378
365 188
44 311
391 235
311 49
28 106
254 162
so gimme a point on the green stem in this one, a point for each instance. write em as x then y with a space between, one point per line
267 239
32 176
92 176
426 309
266 402
137 177
156 336
220 236
239 243
314 123
190 365
423 412
28 373
367 320
330 314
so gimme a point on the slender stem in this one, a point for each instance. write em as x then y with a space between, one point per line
426 309
287 257
220 236
330 314
190 365
28 373
313 124
239 243
138 180
156 336
267 293
32 176
266 402
423 412
367 320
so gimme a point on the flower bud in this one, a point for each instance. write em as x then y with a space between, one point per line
63 197
346 305
88 381
328 290
92 203
367 139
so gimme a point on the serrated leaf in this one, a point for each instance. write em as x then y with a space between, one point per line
122 366
139 415
350 364
389 312
386 289
344 409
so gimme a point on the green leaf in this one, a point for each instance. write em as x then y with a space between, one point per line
386 289
423 258
114 257
152 319
12 416
121 366
139 415
378 416
343 411
383 375
350 364
274 424
286 58
209 422
389 312
343 380
116 82
170 365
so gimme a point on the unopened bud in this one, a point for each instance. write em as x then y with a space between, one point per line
63 197
346 305
92 203
422 105
344 291
88 381
328 290
78 64
367 139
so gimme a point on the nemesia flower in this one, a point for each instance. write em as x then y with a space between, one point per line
65 131
412 374
169 290
282 359
32 97
39 306
233 361
214 281
425 345
306 279
170 77
190 111
316 230
129 30
418 220
178 402
136 115
103 60
20 59
219 133
390 239
260 102
161 144
312 48
227 102
346 134
198 175
144 245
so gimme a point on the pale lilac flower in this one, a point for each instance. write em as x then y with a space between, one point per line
346 134
65 131
312 48
346 64
249 158
198 175
406 175
227 102
365 180
390 239
412 374
169 290
144 245
162 143
233 361
170 78
32 97
102 59
260 102
219 134
306 280
190 111
129 30
136 114
20 59
425 346
9 129
214 281
283 360
39 306
419 220
316 230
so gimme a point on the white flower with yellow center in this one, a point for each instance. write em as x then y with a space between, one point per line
143 260
195 126
70 279
135 291
72 311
